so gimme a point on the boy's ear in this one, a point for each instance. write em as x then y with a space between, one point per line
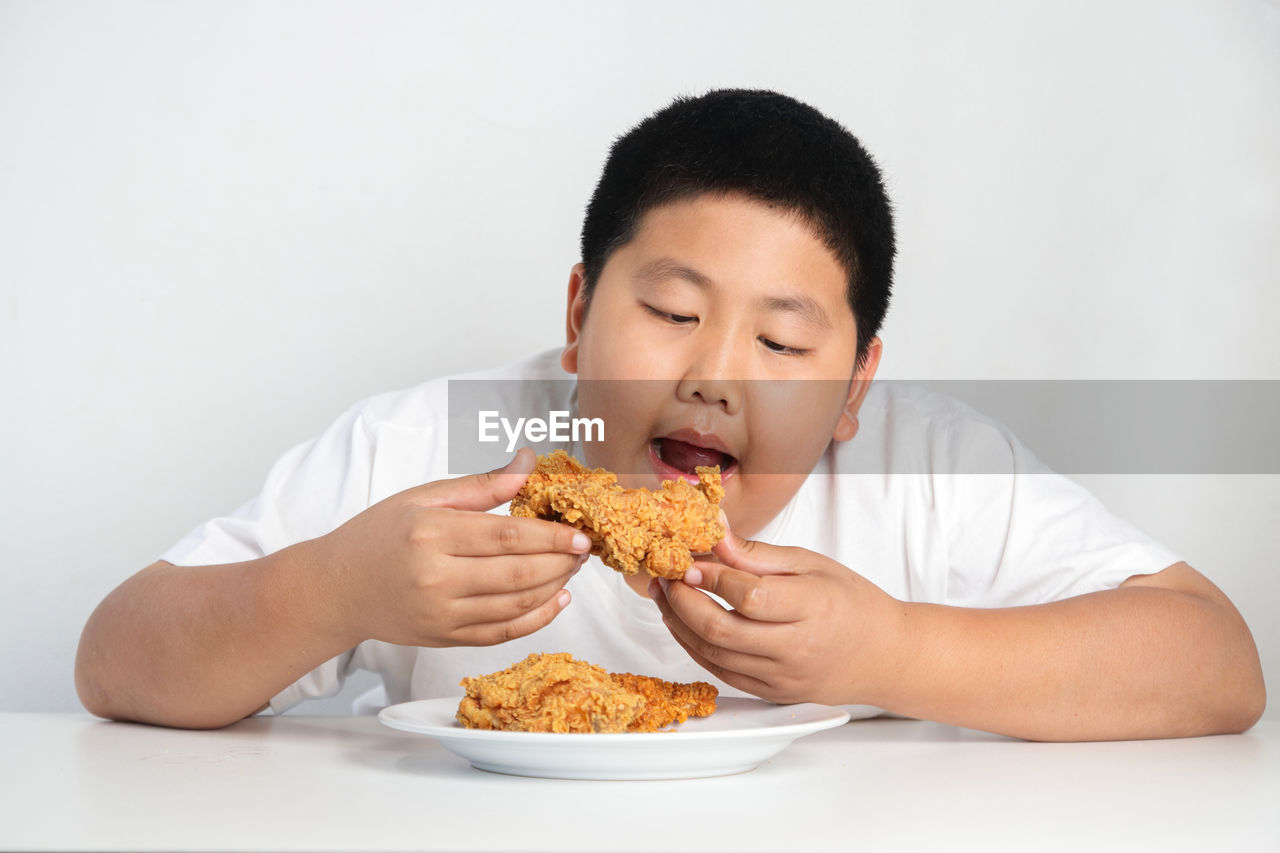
847 426
574 312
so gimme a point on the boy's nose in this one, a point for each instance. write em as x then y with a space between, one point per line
713 371
715 390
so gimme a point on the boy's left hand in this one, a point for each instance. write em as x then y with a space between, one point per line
803 627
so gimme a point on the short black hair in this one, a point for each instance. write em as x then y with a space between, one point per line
765 145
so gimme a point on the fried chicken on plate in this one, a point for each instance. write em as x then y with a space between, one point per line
630 529
555 693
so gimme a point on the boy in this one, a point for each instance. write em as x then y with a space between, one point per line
737 257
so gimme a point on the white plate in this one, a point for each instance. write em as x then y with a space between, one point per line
736 738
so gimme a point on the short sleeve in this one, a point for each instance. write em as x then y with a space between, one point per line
311 490
1019 533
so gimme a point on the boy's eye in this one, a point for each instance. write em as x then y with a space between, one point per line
781 349
680 319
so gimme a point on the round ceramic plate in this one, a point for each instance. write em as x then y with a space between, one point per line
736 738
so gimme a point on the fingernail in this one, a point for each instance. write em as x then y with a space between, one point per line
666 587
581 542
724 519
693 576
653 589
563 598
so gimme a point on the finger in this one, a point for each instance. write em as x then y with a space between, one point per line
712 624
747 555
480 534
727 659
505 606
480 491
513 573
500 632
740 680
762 598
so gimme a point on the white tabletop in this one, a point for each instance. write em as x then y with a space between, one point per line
72 782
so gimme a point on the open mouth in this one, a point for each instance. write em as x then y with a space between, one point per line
675 458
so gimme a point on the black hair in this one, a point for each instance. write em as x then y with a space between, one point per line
765 145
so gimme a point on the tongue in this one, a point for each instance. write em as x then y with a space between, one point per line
685 457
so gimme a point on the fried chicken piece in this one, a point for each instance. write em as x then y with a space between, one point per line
549 693
630 529
555 693
667 702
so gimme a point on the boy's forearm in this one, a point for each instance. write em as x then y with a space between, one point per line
1132 662
205 646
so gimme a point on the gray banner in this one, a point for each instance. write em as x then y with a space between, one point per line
1071 426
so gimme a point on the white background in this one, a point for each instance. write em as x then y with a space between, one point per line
222 223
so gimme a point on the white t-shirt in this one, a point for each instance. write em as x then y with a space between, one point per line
1027 536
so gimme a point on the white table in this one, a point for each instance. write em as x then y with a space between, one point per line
72 782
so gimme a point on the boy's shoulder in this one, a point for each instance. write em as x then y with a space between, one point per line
917 402
910 428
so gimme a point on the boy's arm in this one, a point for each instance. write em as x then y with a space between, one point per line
205 646
1163 655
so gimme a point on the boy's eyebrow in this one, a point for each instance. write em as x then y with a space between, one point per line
803 306
661 268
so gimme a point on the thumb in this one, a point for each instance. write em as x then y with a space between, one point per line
748 555
481 491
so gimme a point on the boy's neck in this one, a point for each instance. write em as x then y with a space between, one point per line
639 583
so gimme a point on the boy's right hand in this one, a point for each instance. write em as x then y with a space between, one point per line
429 567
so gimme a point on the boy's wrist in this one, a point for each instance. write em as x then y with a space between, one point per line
896 650
307 585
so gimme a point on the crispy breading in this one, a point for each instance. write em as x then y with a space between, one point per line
667 702
630 529
555 693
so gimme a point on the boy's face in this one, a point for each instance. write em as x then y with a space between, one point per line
733 313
